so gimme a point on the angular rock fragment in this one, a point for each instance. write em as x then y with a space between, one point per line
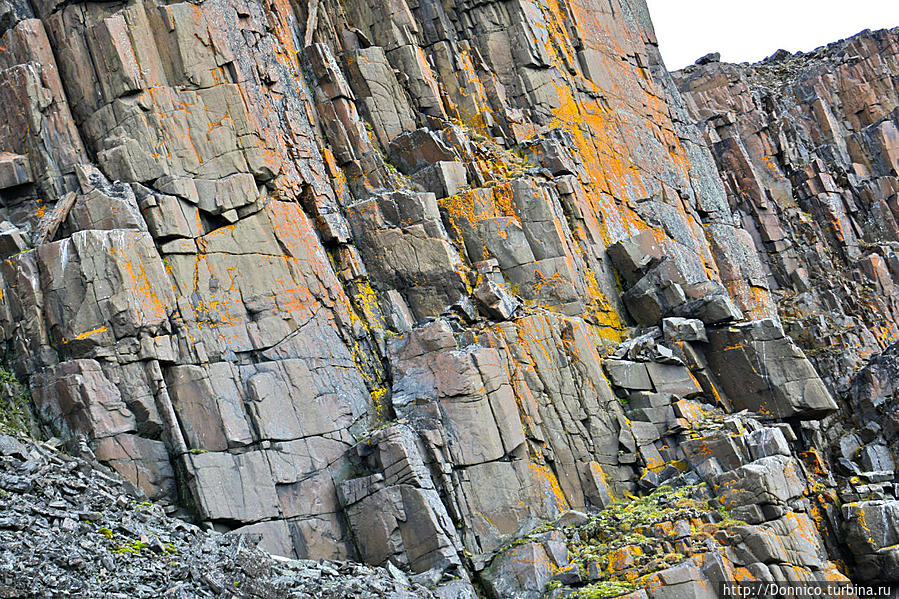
520 572
232 487
495 301
763 370
14 170
684 329
766 481
628 375
635 255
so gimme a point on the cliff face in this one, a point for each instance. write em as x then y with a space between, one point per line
349 275
808 148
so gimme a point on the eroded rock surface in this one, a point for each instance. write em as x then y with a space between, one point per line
367 281
806 145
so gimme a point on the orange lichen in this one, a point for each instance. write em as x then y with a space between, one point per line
544 474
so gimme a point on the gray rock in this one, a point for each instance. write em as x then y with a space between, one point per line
770 480
635 255
15 170
521 572
85 555
455 589
568 575
12 240
768 441
495 301
628 375
671 379
232 487
572 518
877 458
763 370
684 329
10 446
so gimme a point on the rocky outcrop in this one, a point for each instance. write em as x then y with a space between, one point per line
359 280
806 145
724 497
219 214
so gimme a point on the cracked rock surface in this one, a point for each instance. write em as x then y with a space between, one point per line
407 283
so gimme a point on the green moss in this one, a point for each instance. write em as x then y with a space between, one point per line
662 505
105 532
15 413
728 520
134 547
731 522
632 526
605 590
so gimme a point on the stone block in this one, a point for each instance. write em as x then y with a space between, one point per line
761 369
209 406
628 375
768 441
143 462
15 170
232 487
676 380
771 480
632 257
495 301
684 329
75 398
520 572
443 178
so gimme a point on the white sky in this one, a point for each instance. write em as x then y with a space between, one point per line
750 30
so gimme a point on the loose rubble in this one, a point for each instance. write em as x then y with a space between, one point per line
71 528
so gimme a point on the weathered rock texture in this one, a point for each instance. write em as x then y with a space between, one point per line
348 275
808 148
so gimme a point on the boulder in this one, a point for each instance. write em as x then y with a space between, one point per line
872 535
628 375
767 441
520 573
633 256
684 329
763 370
15 169
672 379
771 480
495 302
233 487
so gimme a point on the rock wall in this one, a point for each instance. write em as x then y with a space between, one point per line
807 147
348 275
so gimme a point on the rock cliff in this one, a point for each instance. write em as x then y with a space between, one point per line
462 287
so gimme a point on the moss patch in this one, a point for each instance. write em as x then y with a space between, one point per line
15 407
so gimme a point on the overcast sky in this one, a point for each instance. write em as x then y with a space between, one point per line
749 30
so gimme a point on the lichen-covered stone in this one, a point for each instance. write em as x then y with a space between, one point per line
349 278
